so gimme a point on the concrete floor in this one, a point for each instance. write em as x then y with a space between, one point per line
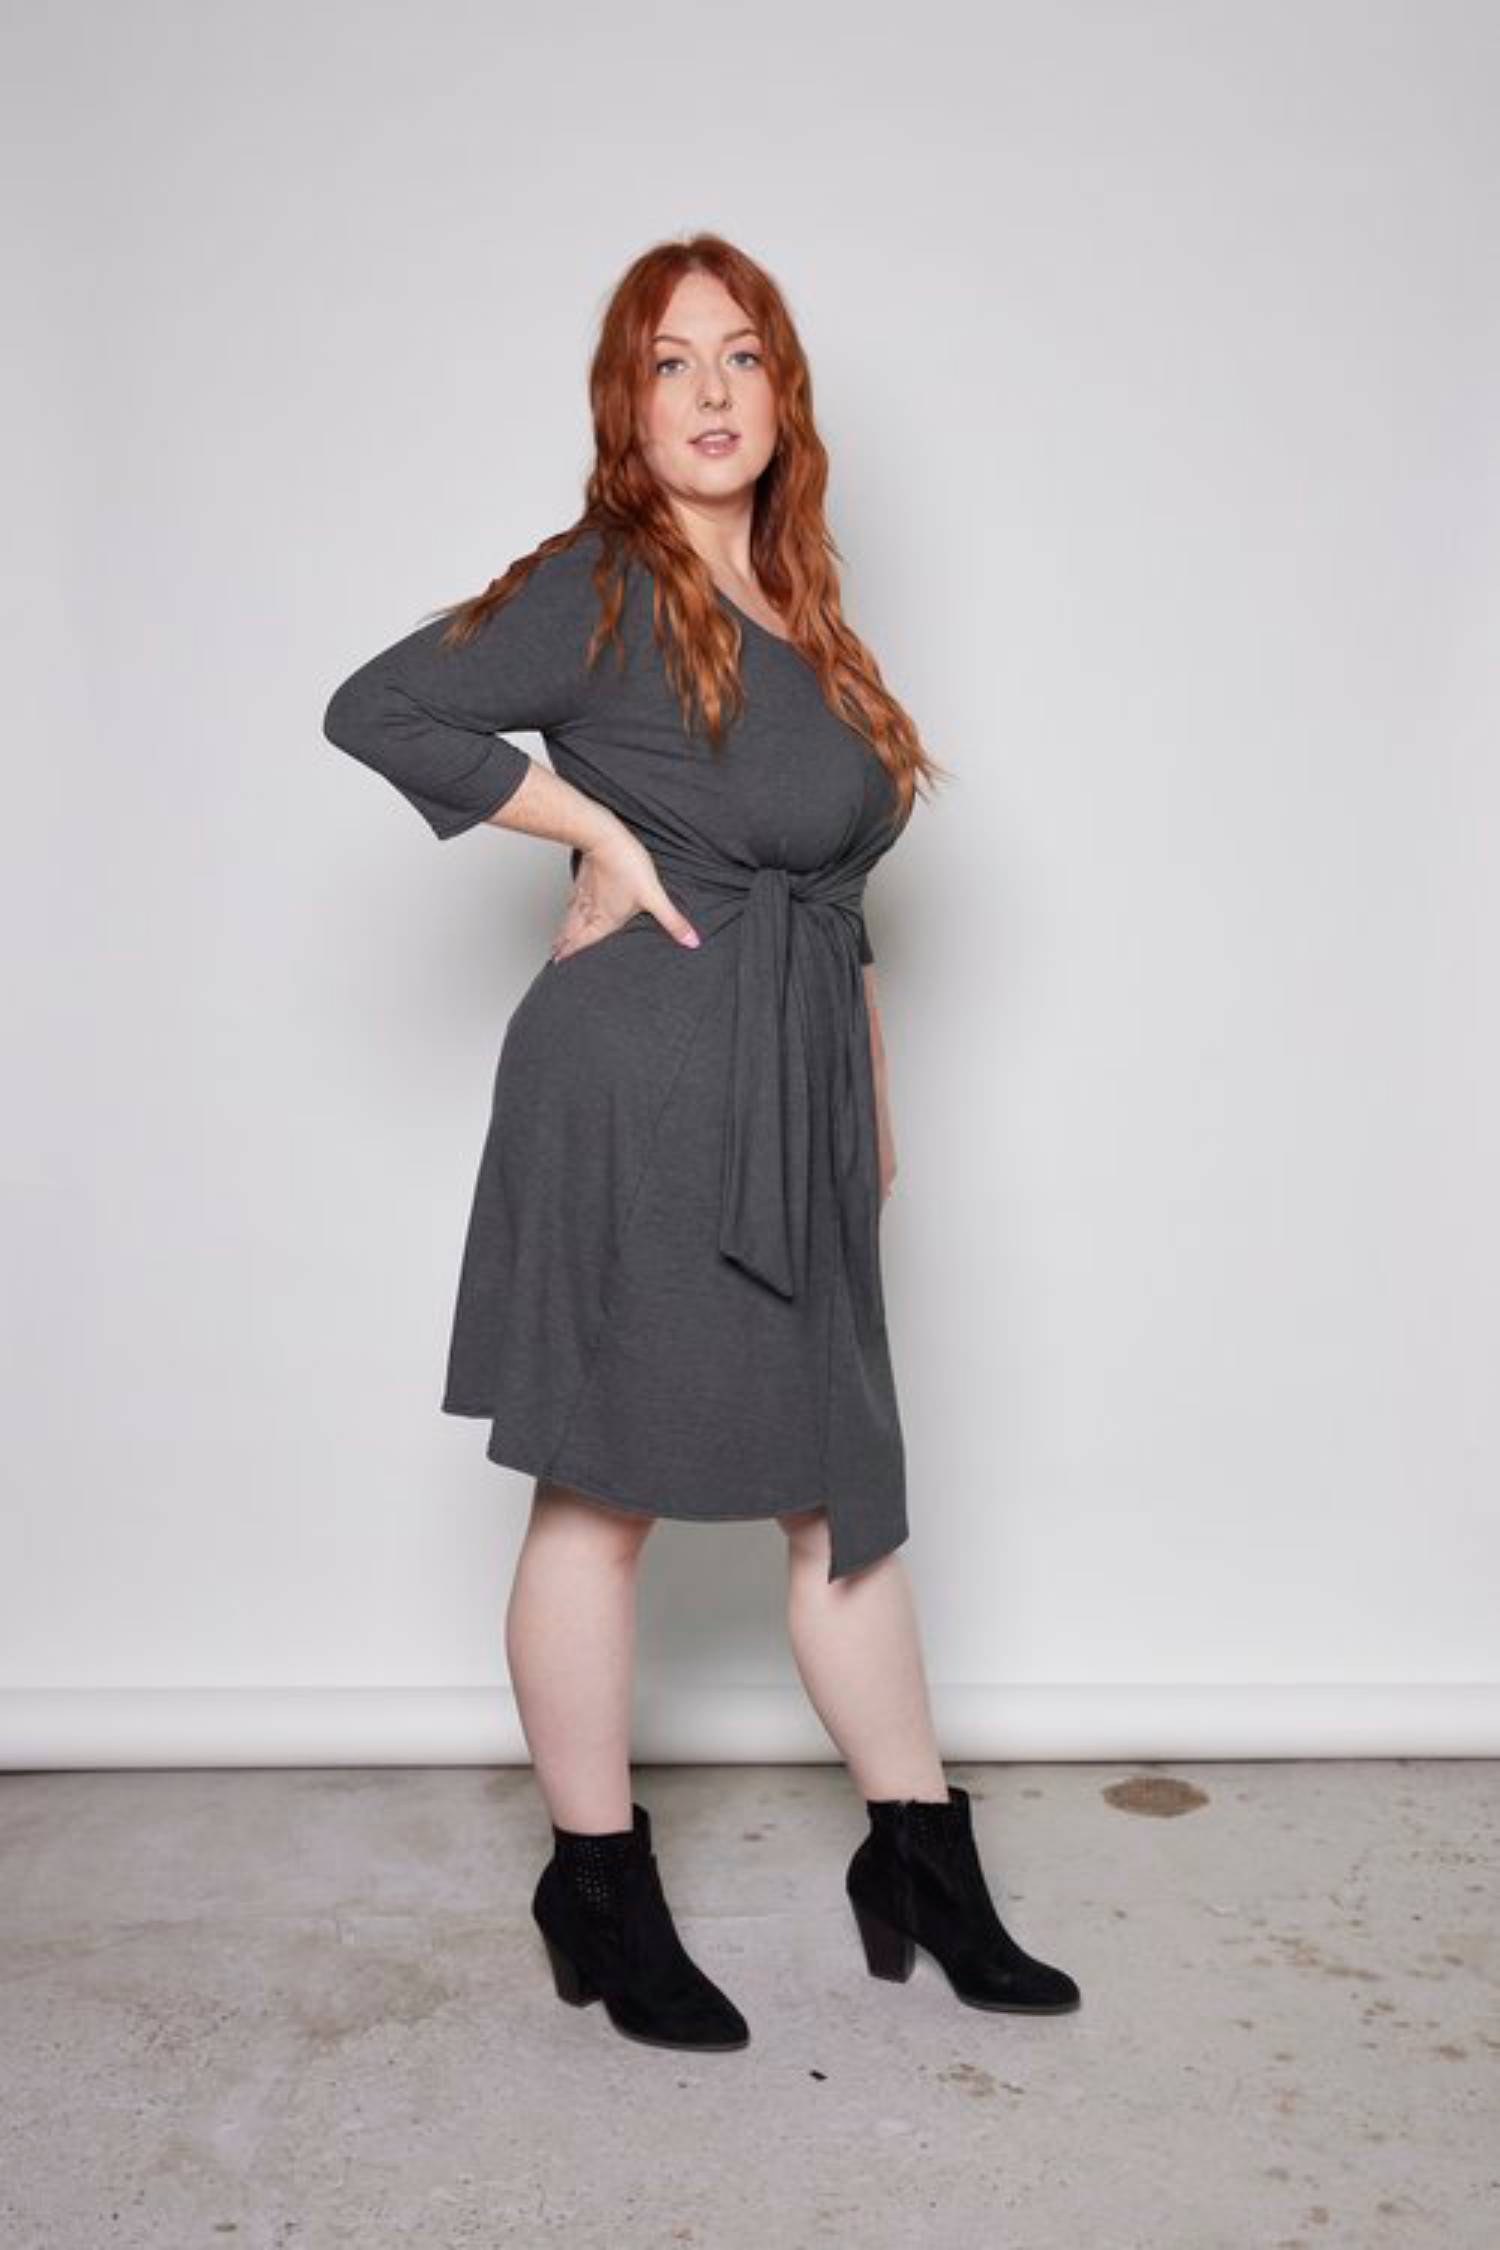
278 2010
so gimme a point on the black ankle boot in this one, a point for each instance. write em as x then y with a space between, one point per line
916 1880
609 1935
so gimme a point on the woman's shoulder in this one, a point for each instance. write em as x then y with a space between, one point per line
566 604
561 566
572 555
567 582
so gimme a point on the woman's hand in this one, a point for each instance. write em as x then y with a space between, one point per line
616 879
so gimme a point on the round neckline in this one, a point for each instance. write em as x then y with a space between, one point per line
783 640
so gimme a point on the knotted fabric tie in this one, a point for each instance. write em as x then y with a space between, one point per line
798 970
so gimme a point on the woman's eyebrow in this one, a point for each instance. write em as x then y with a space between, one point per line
727 338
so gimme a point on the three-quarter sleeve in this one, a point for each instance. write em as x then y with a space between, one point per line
428 717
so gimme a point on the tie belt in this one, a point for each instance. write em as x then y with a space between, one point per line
798 965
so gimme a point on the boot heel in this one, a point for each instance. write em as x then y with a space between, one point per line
571 1984
888 1952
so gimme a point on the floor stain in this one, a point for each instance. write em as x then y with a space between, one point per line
377 1993
980 2083
1304 1954
1156 1795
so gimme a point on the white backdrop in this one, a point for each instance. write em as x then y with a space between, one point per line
1155 349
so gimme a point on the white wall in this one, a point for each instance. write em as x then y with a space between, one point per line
1156 353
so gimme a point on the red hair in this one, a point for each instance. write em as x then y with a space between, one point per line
792 551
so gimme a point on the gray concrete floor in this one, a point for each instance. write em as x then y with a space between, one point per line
278 2010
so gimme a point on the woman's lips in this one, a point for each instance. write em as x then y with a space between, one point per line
717 441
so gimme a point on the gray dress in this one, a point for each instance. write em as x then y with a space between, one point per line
670 1295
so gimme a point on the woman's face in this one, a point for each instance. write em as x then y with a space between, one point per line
706 372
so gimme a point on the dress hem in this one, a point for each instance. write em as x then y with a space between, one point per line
527 1463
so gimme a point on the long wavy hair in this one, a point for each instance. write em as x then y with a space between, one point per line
792 551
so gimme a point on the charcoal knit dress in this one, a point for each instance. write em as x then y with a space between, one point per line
670 1295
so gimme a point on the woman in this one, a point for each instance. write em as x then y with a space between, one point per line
670 1299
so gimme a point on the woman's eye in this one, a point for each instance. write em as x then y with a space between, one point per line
662 365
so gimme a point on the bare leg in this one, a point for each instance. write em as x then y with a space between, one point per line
570 1643
859 1653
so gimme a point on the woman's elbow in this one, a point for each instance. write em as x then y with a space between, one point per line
346 720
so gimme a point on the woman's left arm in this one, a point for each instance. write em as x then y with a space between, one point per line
882 1090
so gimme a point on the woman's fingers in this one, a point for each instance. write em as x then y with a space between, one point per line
672 920
615 881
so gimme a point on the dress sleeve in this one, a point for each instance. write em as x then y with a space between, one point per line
427 717
866 950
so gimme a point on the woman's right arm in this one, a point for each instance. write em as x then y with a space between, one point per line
426 716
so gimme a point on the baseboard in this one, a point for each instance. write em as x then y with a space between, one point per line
682 1720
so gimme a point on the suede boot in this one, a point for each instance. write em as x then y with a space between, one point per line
916 1880
609 1935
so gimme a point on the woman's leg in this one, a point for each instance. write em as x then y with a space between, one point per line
570 1642
859 1654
